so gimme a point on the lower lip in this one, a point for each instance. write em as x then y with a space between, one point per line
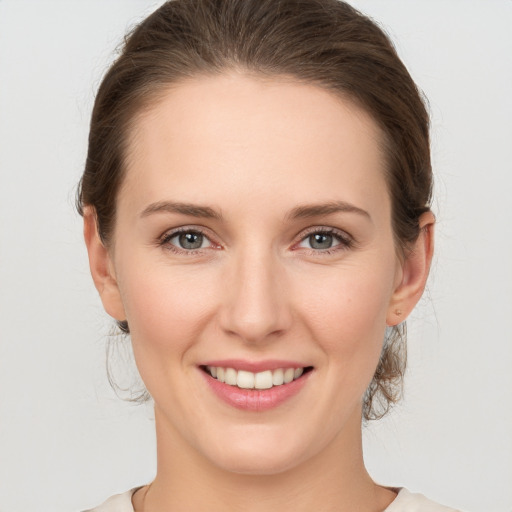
255 399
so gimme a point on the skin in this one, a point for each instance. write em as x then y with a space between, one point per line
253 151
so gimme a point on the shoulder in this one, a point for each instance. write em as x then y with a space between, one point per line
407 501
117 503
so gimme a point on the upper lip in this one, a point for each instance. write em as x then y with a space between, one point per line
254 366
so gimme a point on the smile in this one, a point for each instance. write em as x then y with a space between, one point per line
244 379
255 386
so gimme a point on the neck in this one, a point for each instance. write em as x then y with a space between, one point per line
334 479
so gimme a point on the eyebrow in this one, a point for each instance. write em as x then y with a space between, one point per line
315 210
190 209
299 212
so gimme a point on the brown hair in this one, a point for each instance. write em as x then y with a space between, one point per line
322 42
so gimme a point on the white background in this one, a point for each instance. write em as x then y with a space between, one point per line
67 442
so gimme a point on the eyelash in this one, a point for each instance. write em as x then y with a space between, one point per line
345 240
164 241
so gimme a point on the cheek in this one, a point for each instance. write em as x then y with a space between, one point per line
166 309
347 316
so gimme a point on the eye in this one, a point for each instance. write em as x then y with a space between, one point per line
321 241
186 240
325 239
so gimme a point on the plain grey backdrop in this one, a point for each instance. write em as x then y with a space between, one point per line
67 442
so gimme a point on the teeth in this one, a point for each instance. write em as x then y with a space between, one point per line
278 377
244 380
263 380
288 375
230 377
249 380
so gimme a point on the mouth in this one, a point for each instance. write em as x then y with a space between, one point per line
262 380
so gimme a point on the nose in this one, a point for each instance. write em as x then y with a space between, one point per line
255 307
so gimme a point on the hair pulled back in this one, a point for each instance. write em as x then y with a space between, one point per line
323 42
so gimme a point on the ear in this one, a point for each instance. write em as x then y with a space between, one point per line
102 268
414 272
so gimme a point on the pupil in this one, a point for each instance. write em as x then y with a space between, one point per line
320 241
191 240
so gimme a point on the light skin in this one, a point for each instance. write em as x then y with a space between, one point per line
282 186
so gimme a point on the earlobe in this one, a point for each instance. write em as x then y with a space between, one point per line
414 272
101 266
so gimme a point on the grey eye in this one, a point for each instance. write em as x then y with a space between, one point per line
321 241
190 240
187 240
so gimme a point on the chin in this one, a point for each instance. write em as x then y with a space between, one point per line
259 455
256 464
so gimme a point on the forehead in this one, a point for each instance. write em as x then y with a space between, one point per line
241 133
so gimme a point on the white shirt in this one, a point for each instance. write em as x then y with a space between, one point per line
404 502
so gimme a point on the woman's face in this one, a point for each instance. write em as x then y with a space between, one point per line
253 232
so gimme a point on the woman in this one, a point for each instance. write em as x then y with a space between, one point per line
256 212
